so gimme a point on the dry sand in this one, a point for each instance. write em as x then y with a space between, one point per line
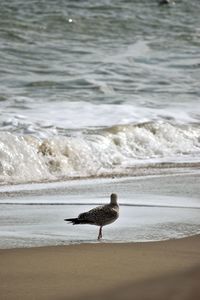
158 270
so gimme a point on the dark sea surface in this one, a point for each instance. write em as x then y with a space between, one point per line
96 88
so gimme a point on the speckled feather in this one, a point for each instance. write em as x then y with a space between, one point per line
101 215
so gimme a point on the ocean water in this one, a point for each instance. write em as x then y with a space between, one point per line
33 215
97 88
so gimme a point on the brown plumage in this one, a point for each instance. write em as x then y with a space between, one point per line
99 216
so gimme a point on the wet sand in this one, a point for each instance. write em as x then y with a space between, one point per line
152 208
155 270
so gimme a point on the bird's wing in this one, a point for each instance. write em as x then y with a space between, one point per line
100 214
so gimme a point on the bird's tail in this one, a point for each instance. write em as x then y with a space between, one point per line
76 221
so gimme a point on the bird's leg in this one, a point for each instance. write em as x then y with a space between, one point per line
100 233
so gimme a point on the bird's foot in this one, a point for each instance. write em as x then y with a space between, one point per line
99 237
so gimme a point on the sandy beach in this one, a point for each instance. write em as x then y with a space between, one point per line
112 271
143 254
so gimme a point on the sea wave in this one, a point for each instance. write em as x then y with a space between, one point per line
95 152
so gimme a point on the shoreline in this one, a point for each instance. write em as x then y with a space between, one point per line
93 270
107 270
143 170
151 208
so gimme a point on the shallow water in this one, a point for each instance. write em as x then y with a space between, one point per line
44 225
152 208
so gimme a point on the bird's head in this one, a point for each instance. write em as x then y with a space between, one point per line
113 199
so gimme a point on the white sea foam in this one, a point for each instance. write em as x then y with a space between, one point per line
45 120
108 151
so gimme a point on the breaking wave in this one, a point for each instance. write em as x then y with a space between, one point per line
95 152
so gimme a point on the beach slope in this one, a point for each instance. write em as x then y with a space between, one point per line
114 271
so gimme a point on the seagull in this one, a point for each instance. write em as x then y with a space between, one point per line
99 216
